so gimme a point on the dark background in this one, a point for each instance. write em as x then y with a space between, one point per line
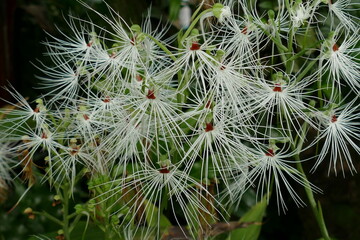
23 25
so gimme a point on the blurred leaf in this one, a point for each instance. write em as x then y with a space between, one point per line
174 9
307 41
152 215
92 232
254 215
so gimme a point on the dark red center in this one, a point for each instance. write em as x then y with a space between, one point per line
195 46
132 41
164 170
209 127
36 110
86 117
43 136
277 88
74 151
107 99
335 47
208 104
270 153
333 118
244 30
150 94
139 78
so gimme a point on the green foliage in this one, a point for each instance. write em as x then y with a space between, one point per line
254 218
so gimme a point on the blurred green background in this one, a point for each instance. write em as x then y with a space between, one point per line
24 24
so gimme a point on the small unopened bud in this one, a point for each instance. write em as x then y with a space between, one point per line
56 201
271 14
60 235
25 138
135 28
221 12
194 32
28 211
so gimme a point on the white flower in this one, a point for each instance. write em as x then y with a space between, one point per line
145 191
21 112
153 123
339 59
64 80
301 12
216 143
77 48
341 134
6 160
284 101
273 164
341 9
225 13
43 137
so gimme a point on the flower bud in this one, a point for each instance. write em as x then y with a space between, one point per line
221 12
135 28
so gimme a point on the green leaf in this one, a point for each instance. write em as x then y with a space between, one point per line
92 232
151 212
255 214
174 9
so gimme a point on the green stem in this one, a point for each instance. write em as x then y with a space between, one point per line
50 217
73 224
289 64
316 208
277 41
65 202
162 46
188 31
303 51
306 70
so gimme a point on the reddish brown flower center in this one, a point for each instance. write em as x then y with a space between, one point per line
132 41
139 78
208 104
74 151
277 88
36 110
151 94
89 44
333 118
107 99
222 67
86 117
270 153
195 46
43 136
164 170
335 47
209 127
244 30
55 203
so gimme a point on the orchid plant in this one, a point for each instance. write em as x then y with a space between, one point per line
175 131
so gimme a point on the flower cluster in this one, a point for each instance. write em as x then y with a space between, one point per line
191 123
